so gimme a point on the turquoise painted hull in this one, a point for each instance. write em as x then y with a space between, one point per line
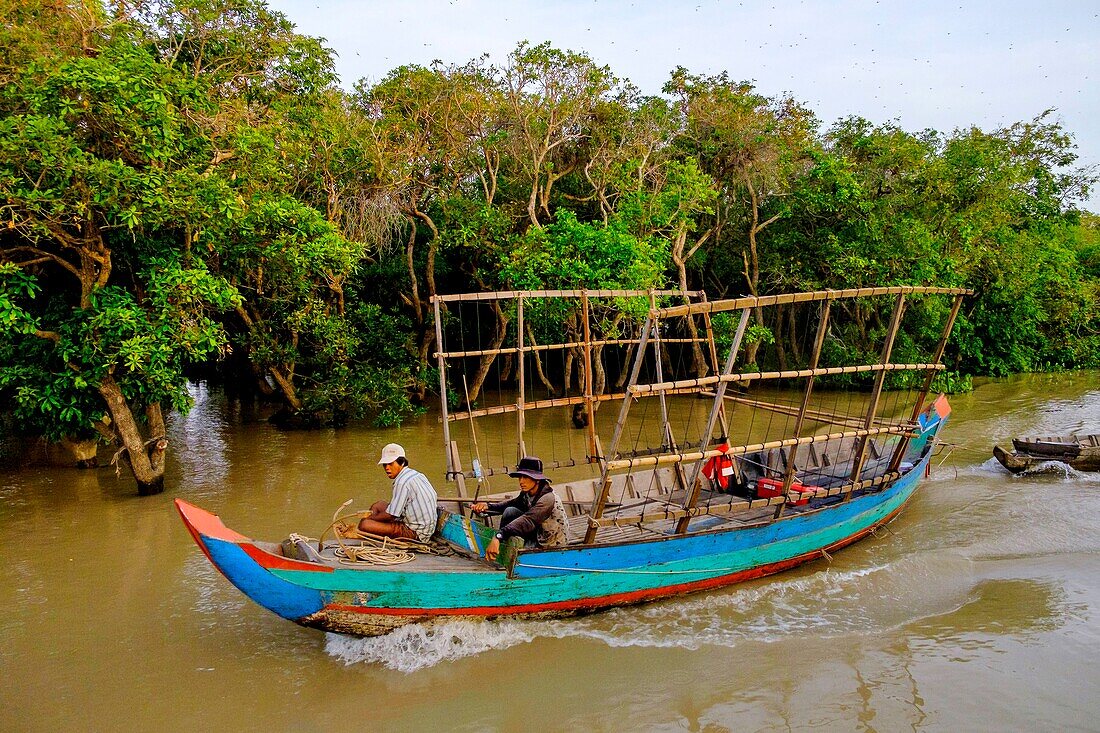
550 582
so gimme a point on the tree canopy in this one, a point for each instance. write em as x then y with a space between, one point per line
185 188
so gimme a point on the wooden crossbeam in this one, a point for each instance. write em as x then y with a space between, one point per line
551 402
639 389
720 306
737 506
551 347
740 450
507 294
831 418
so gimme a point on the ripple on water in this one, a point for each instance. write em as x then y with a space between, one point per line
821 604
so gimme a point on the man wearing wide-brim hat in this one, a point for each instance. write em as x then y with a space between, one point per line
537 514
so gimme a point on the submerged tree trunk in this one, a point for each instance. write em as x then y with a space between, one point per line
83 451
507 363
540 371
283 382
145 457
780 337
567 377
796 347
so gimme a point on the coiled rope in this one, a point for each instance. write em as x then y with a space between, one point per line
384 554
373 554
375 550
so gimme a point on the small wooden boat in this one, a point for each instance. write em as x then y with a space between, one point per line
650 524
1080 452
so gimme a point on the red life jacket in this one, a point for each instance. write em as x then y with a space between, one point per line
719 470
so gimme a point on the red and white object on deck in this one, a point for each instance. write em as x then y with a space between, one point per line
767 488
719 470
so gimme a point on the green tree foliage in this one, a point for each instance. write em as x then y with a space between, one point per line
185 180
570 254
145 173
282 200
985 210
96 168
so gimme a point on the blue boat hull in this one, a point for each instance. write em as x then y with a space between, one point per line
555 581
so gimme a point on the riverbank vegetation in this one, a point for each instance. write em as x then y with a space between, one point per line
186 188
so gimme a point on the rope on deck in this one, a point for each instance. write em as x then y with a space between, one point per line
373 554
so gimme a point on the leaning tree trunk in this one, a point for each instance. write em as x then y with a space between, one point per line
624 367
487 360
144 457
539 369
698 362
599 373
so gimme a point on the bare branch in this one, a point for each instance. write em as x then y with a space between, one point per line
40 256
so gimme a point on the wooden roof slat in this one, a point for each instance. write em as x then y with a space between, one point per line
720 306
639 389
508 294
740 450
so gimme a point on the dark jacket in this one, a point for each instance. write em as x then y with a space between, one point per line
543 517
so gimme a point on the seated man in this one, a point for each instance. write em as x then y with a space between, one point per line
411 512
536 515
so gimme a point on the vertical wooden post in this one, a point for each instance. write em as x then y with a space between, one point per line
455 463
521 446
589 410
605 476
666 428
441 363
715 408
918 406
859 457
819 341
668 439
714 360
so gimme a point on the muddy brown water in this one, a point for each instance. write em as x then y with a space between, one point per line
976 610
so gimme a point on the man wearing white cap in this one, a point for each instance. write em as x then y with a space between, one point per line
411 513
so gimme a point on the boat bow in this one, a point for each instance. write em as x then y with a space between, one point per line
248 567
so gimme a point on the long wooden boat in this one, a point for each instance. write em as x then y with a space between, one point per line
648 524
1081 452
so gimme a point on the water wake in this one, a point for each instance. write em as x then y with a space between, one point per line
417 646
1062 470
828 603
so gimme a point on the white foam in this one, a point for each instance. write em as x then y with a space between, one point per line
825 603
1064 470
417 646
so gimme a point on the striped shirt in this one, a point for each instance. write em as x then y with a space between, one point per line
414 502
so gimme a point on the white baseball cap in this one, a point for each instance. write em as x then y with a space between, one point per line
390 453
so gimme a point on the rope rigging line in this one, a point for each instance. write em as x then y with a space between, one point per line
478 473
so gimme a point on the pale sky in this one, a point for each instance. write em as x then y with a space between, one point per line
931 64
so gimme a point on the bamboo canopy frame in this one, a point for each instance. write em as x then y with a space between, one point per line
652 339
747 305
522 404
